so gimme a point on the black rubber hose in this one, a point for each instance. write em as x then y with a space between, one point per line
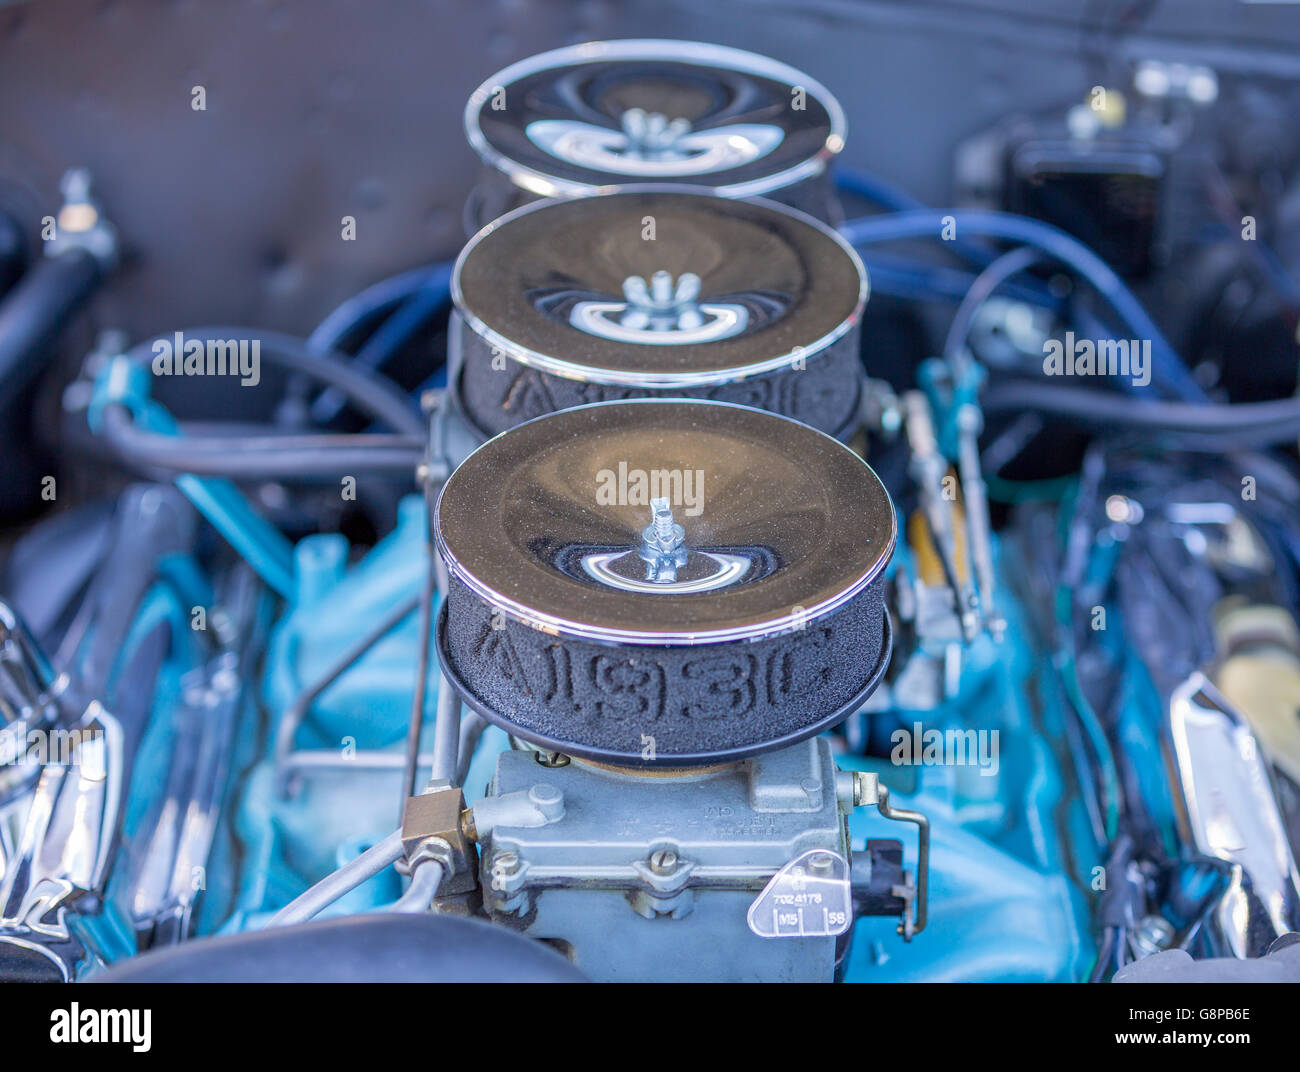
1274 421
356 949
372 393
259 457
13 252
35 310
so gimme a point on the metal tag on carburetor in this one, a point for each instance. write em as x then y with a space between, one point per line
808 898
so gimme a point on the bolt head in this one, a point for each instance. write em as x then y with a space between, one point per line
822 862
663 861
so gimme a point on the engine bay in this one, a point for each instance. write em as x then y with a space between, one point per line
705 562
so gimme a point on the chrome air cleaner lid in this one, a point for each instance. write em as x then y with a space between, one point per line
657 292
584 119
658 289
780 524
706 574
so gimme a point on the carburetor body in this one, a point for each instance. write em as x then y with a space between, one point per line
651 876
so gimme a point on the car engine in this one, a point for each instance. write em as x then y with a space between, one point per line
691 557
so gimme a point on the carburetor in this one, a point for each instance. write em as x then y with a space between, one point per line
664 603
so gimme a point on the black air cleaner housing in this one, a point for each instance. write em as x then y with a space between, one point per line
738 612
657 293
600 116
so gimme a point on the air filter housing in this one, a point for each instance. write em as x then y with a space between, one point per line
657 293
597 117
671 583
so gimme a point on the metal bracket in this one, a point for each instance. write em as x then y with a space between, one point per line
432 829
868 790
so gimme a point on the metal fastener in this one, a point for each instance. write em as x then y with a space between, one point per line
663 861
